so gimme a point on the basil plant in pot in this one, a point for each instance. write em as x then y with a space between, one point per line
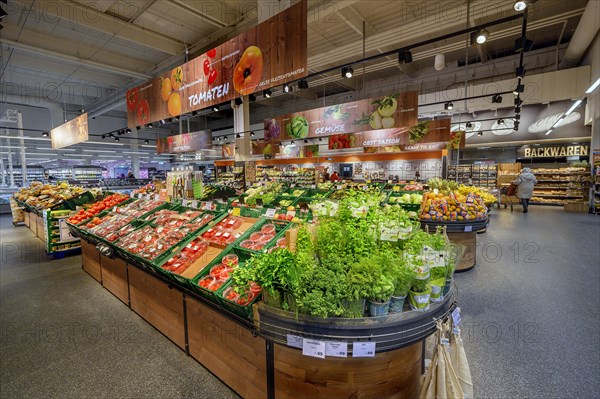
404 277
381 293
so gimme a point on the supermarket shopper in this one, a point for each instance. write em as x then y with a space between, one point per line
525 183
334 177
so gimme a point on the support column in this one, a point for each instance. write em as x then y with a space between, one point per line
22 145
135 158
11 175
241 124
2 171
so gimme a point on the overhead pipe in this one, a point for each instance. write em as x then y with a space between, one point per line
586 31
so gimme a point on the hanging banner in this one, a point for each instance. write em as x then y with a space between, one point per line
426 136
70 133
393 111
289 151
260 147
342 141
186 142
228 150
309 151
270 54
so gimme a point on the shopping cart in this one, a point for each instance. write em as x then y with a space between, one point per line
508 196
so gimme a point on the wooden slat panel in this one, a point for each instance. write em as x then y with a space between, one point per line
158 304
114 277
227 349
393 374
27 218
470 241
39 221
90 258
33 224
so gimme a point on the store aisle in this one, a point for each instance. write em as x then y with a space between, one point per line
531 308
64 336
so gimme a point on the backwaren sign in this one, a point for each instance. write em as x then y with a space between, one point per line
556 151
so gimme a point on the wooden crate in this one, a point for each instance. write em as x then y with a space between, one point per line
114 277
90 258
227 349
158 304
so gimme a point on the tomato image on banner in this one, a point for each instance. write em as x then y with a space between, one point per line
248 71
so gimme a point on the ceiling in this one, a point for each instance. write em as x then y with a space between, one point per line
84 54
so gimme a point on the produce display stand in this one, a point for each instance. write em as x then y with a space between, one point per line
464 233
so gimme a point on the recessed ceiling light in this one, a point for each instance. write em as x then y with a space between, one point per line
482 36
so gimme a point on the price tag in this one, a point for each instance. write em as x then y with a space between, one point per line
291 213
163 194
156 197
184 202
363 349
336 349
294 341
208 205
339 187
236 211
148 197
435 191
131 195
389 182
468 229
365 188
270 213
456 316
114 208
313 186
455 330
313 348
293 185
445 341
194 204
140 195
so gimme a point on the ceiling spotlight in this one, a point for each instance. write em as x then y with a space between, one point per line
448 106
405 57
292 142
469 125
347 72
149 126
194 113
146 141
440 62
320 138
175 119
517 109
81 111
303 84
138 127
519 89
218 139
238 136
103 137
110 135
482 36
252 97
267 93
501 121
520 5
286 88
44 134
520 72
517 116
238 101
128 131
305 141
497 99
480 133
225 137
518 101
116 138
216 108
251 134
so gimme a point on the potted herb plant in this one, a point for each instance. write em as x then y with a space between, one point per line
420 290
404 278
381 293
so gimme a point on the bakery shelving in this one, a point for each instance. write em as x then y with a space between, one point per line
559 185
479 175
87 172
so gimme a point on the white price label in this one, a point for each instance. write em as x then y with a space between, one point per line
156 197
468 229
294 341
363 349
65 232
208 205
339 187
194 204
114 208
313 186
336 349
140 195
313 348
389 182
270 213
444 341
148 197
131 195
184 202
456 316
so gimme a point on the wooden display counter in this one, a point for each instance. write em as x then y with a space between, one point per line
254 359
469 240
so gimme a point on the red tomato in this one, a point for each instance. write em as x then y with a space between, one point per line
143 112
212 76
206 67
212 53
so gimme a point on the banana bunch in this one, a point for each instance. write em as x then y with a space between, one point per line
484 194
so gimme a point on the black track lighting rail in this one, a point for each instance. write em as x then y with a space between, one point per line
466 98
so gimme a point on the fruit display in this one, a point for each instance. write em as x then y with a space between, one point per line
139 207
266 193
487 197
406 199
259 239
108 202
43 196
225 232
453 207
184 259
147 189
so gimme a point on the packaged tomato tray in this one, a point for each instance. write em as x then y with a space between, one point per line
139 208
151 241
111 224
188 255
223 233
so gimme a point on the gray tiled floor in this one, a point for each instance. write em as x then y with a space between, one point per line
530 320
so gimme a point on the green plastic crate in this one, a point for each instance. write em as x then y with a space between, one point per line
240 310
280 228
